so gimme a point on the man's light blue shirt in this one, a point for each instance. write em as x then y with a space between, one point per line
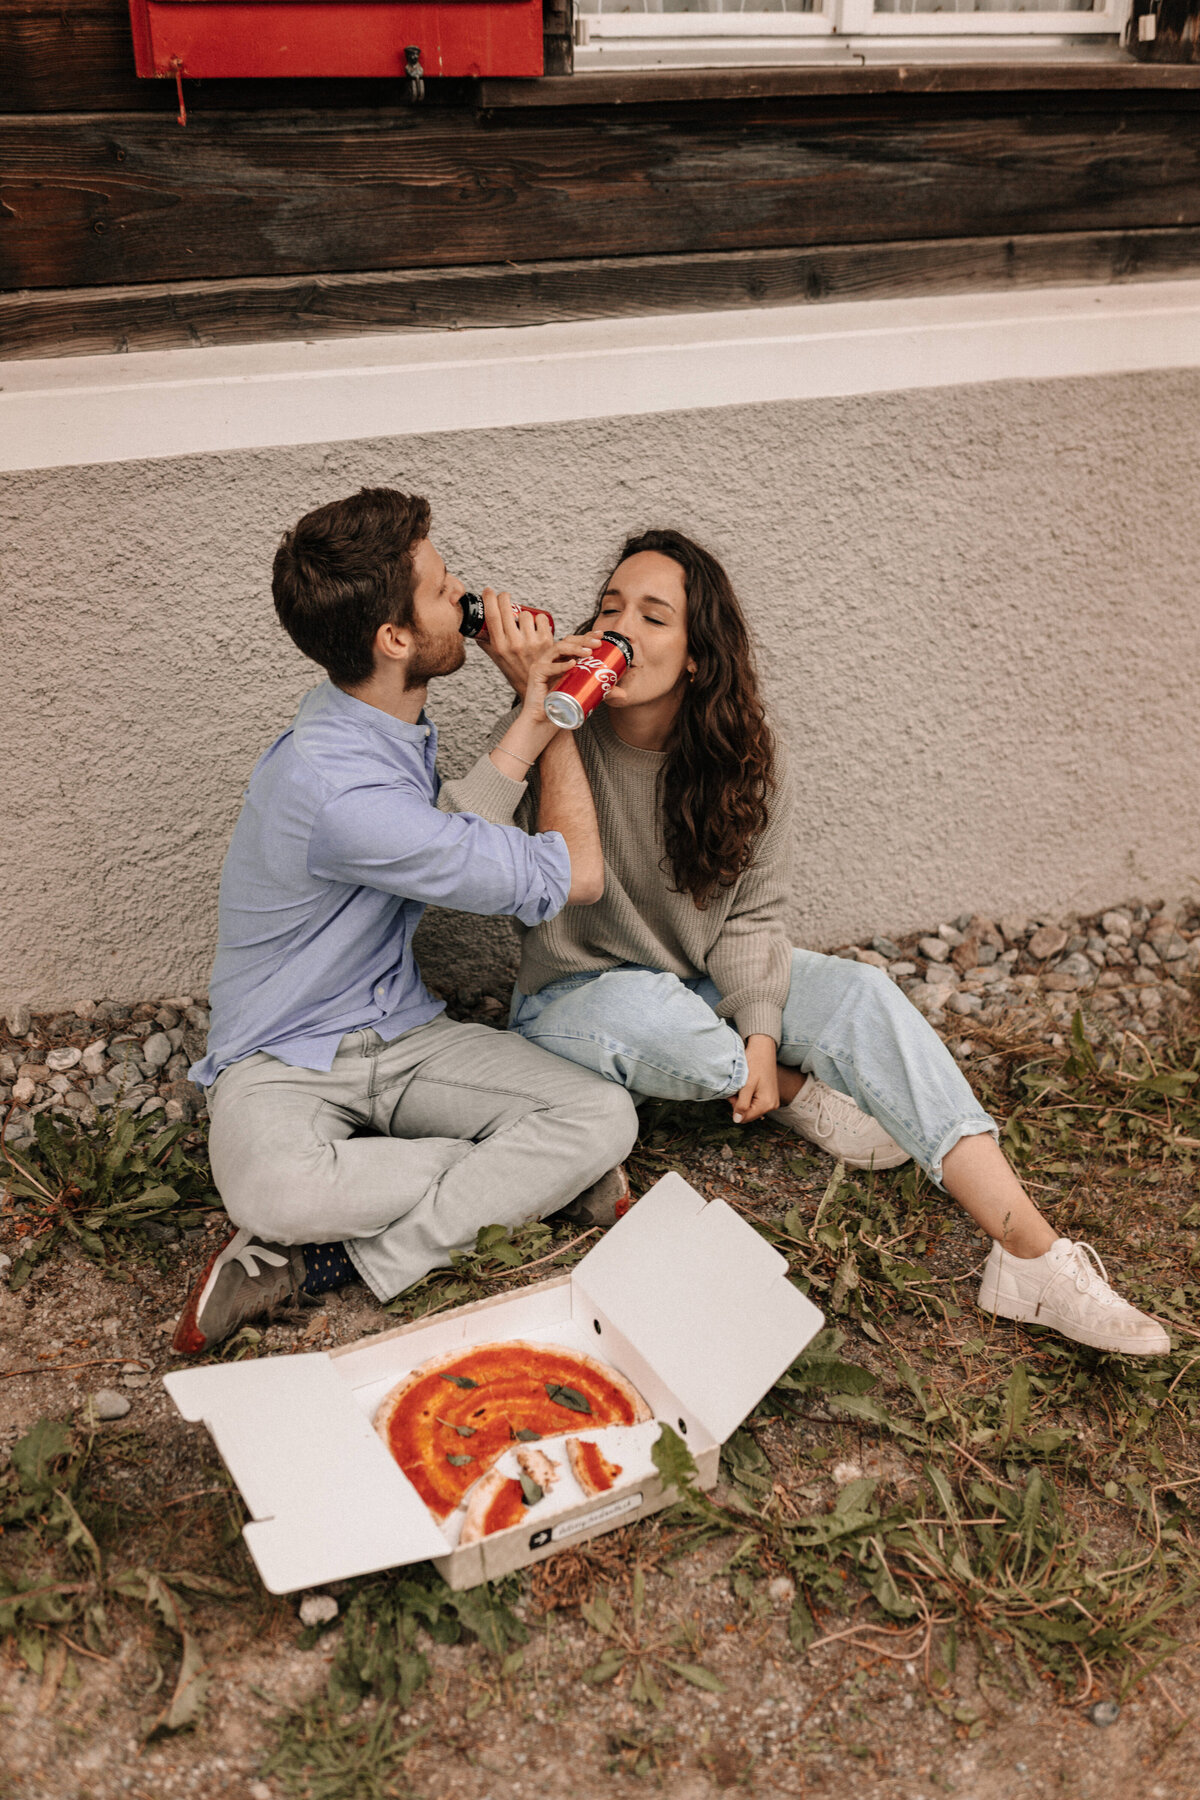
338 849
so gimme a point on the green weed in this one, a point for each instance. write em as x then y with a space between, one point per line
100 1186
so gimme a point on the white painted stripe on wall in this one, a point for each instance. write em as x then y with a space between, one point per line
100 409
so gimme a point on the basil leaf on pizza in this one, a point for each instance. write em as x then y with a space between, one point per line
494 1394
567 1396
530 1489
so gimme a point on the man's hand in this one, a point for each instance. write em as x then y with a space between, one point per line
760 1094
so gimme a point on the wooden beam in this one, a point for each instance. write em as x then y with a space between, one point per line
91 202
1114 73
168 316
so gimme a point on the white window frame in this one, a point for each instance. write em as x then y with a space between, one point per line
840 28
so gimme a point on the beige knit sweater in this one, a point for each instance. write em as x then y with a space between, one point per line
738 940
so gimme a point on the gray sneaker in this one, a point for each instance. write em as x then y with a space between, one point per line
245 1280
602 1204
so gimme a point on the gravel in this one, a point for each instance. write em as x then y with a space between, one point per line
1126 967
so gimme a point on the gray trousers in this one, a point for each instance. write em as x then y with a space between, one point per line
469 1127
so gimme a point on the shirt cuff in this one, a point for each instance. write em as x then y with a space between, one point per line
759 1018
484 790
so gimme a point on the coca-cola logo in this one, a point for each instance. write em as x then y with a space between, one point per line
600 671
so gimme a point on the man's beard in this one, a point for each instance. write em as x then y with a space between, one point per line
433 656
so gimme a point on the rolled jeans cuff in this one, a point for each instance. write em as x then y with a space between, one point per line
976 1127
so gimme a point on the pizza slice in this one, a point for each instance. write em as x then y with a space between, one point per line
590 1467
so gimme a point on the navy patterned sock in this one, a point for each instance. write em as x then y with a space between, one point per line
326 1266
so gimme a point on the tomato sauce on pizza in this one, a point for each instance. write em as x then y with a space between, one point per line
449 1421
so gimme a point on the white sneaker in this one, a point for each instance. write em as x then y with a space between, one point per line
1067 1290
836 1124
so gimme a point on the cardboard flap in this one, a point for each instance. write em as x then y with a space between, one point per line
703 1297
328 1500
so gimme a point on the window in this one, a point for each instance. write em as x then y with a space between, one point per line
695 33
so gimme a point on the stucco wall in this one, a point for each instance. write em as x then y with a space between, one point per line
975 609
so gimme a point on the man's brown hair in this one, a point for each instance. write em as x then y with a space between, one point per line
345 570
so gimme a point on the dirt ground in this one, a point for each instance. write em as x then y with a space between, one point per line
872 1705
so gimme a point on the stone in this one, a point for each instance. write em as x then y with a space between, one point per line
167 1017
140 1380
1078 965
65 1057
987 955
872 958
1046 941
83 1009
1145 977
94 1058
942 974
1110 979
898 970
106 1403
1170 946
1148 956
59 1084
103 1093
18 1020
1105 1712
986 975
24 1090
886 947
318 1609
197 1016
935 949
1150 998
157 1050
152 1106
1116 924
926 999
1058 983
950 934
8 1067
969 1005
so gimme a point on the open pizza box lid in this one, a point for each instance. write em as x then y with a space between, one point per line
692 1305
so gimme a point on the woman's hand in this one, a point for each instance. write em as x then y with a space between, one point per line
760 1094
513 639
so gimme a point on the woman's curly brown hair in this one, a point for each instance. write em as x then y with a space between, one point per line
719 772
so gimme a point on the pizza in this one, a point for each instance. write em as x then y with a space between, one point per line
452 1419
498 1500
590 1467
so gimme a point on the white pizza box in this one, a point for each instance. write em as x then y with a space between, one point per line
682 1297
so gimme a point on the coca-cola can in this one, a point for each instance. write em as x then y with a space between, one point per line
583 688
475 626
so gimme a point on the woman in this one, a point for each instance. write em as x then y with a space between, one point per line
680 982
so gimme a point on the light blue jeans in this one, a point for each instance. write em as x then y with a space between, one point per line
844 1022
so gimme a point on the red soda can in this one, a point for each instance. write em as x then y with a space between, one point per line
473 623
583 688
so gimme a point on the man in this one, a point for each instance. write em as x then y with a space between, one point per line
357 1132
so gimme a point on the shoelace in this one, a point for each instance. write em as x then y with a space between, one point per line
1083 1263
834 1110
247 1254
